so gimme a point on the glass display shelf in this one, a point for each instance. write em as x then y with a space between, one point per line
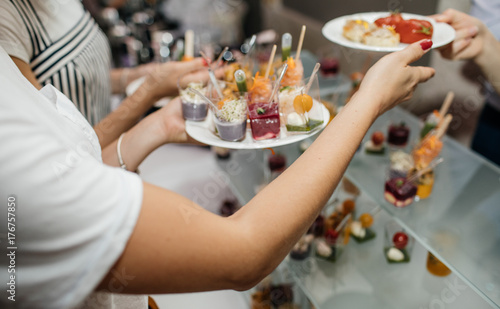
362 278
459 223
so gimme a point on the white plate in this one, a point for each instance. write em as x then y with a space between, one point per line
332 30
204 132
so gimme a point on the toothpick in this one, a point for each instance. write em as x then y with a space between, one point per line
301 40
446 104
271 60
441 130
311 78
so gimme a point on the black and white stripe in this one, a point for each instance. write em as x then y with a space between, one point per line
77 64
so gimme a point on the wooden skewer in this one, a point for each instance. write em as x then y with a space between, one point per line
271 60
189 44
441 130
446 104
301 40
311 78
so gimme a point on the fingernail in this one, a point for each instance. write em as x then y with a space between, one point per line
426 44
205 63
473 30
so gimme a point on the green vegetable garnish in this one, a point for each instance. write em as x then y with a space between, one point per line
399 183
261 111
285 88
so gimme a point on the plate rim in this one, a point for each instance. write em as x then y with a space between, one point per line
359 46
192 125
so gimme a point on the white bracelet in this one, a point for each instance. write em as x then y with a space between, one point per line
119 153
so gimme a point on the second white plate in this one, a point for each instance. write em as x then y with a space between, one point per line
332 30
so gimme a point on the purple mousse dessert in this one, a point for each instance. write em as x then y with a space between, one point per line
193 106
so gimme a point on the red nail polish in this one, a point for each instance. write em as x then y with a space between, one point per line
204 62
426 44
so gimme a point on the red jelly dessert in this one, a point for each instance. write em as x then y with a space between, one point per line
398 135
264 120
400 192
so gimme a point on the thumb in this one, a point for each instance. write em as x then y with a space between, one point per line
415 51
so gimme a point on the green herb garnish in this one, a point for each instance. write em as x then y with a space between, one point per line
261 111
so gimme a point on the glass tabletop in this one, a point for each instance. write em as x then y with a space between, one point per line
459 223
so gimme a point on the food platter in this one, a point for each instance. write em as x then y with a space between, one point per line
204 132
332 30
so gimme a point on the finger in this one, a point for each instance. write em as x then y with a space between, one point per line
468 32
460 45
195 64
415 51
423 74
441 18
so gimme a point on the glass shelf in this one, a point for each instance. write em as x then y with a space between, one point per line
459 223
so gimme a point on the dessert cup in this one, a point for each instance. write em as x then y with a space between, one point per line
301 112
194 107
398 244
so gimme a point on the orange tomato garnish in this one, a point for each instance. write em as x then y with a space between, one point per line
302 103
366 220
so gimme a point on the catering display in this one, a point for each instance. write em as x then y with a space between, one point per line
280 108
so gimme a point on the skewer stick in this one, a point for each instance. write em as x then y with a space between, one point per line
441 130
311 78
271 60
417 175
301 40
446 104
189 44
220 56
204 56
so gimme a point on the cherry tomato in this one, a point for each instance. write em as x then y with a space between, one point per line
392 21
400 240
410 31
414 30
331 236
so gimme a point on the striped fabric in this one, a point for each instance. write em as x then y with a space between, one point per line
77 64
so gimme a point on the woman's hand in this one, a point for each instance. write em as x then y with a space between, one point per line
470 38
171 124
162 79
392 80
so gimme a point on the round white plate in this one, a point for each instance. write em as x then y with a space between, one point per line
332 30
204 132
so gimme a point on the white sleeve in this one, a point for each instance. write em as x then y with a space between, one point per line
14 36
74 215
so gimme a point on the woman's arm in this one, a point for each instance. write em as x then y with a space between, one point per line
161 81
177 246
473 41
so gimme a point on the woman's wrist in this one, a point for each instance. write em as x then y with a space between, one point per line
490 51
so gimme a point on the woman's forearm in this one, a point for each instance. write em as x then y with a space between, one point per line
125 116
136 144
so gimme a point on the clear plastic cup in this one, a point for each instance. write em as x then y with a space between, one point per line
398 244
194 107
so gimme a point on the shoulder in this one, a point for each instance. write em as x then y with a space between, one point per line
14 36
